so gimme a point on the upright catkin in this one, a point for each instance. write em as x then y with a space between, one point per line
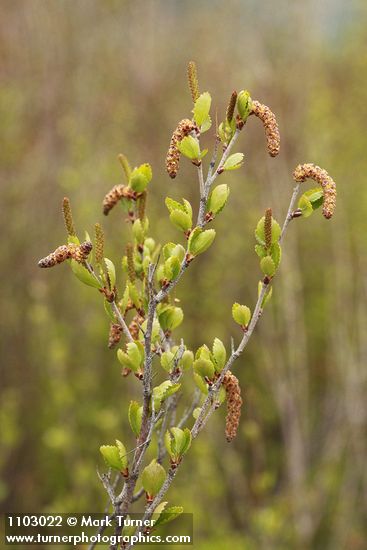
130 262
267 227
99 243
234 404
270 124
192 77
321 176
231 106
184 128
68 217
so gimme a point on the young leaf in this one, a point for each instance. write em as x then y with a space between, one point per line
167 360
218 198
219 354
168 515
189 147
241 314
172 268
244 104
181 220
267 266
187 359
233 161
153 477
83 274
200 240
170 318
202 108
111 272
135 417
204 367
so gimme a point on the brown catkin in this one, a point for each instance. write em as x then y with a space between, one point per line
68 217
192 77
134 326
114 335
234 403
267 227
320 176
99 240
78 252
269 121
130 262
111 199
231 106
184 128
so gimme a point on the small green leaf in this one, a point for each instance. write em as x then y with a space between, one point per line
201 108
174 205
267 266
305 205
111 272
241 314
233 161
268 293
122 453
168 515
167 360
244 104
135 417
201 384
219 354
276 254
204 367
172 268
260 231
83 274
153 477
187 359
140 177
170 317
108 309
200 240
218 198
124 300
181 220
115 456
260 250
163 391
189 147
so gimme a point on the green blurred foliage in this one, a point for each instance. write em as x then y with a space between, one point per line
83 81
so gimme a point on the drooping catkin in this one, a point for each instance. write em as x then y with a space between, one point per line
192 77
78 252
267 227
184 128
142 205
234 403
68 217
114 335
270 124
112 197
99 240
231 106
321 176
125 166
130 262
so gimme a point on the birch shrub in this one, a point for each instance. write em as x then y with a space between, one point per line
144 318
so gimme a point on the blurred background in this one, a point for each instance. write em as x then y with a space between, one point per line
83 81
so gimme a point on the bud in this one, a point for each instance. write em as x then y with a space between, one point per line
321 176
153 477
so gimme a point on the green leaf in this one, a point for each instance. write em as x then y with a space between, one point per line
168 515
174 205
177 442
260 250
276 254
218 198
181 220
140 177
134 294
315 196
167 360
172 268
244 104
200 240
108 309
115 456
204 367
219 354
124 300
201 384
201 108
189 147
153 477
241 314
305 205
187 359
83 274
163 391
268 266
111 272
233 161
268 293
135 417
170 317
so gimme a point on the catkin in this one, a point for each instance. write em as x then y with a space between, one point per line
267 227
231 106
134 326
99 240
269 121
184 128
130 262
234 403
111 199
114 335
193 80
68 217
78 252
304 171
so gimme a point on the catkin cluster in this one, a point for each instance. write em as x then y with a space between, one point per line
114 335
184 128
77 252
304 171
269 121
234 403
